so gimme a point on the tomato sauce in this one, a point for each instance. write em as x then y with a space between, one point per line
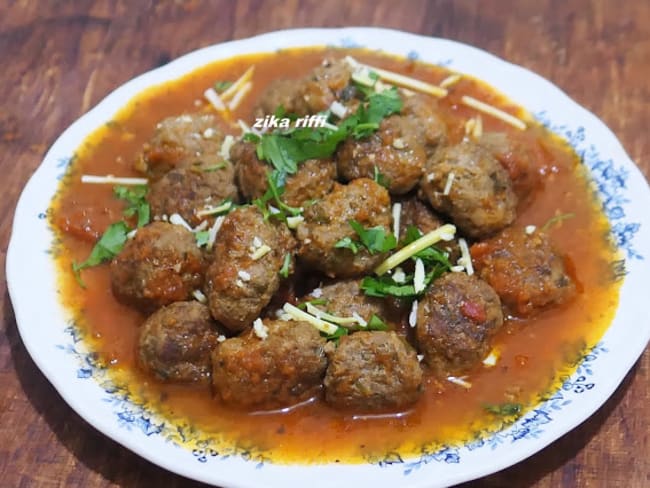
533 353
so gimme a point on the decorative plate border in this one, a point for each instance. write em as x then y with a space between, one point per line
625 197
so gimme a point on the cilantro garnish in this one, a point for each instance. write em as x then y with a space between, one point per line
380 178
503 409
137 204
202 238
286 264
314 301
221 86
336 336
108 246
556 220
375 323
374 239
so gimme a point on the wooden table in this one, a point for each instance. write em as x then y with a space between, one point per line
60 58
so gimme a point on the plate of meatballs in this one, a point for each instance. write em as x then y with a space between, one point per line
333 257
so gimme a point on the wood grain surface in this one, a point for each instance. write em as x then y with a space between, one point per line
60 58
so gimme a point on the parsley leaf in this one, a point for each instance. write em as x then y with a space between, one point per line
137 204
375 239
375 323
315 301
202 238
347 243
380 178
222 85
556 220
336 336
108 246
384 286
503 409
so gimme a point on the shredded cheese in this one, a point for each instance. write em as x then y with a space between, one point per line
113 180
460 381
214 230
317 292
232 90
450 80
321 325
239 96
457 269
210 210
244 275
493 111
200 297
530 229
260 330
221 338
260 252
397 215
176 219
321 314
445 232
418 277
226 145
132 234
215 100
466 259
295 221
450 181
413 314
398 79
338 109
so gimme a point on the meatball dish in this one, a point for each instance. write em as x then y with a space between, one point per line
332 244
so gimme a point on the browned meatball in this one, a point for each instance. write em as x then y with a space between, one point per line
281 93
187 190
175 343
419 214
325 85
431 129
373 371
519 159
525 270
480 200
344 298
179 141
327 222
394 150
160 265
455 321
239 286
313 180
284 368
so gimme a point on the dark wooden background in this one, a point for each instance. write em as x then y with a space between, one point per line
59 58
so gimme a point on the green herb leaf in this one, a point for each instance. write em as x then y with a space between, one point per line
214 167
221 86
315 302
375 239
108 246
384 286
336 336
135 196
375 323
286 265
503 409
556 220
347 243
202 238
380 178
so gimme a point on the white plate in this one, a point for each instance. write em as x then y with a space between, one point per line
58 350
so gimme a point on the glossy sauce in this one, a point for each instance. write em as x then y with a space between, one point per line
533 353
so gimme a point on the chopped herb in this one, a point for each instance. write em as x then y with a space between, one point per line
250 137
202 238
385 285
347 243
556 220
135 197
336 336
503 409
108 246
221 86
375 239
314 301
214 167
375 323
273 194
380 178
286 264
430 255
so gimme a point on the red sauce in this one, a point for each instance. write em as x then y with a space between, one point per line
532 353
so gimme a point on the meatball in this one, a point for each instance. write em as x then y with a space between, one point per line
418 214
480 199
175 343
240 284
431 130
281 93
186 190
327 222
344 298
525 270
519 159
373 371
282 369
456 319
179 141
160 265
325 85
313 180
394 151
